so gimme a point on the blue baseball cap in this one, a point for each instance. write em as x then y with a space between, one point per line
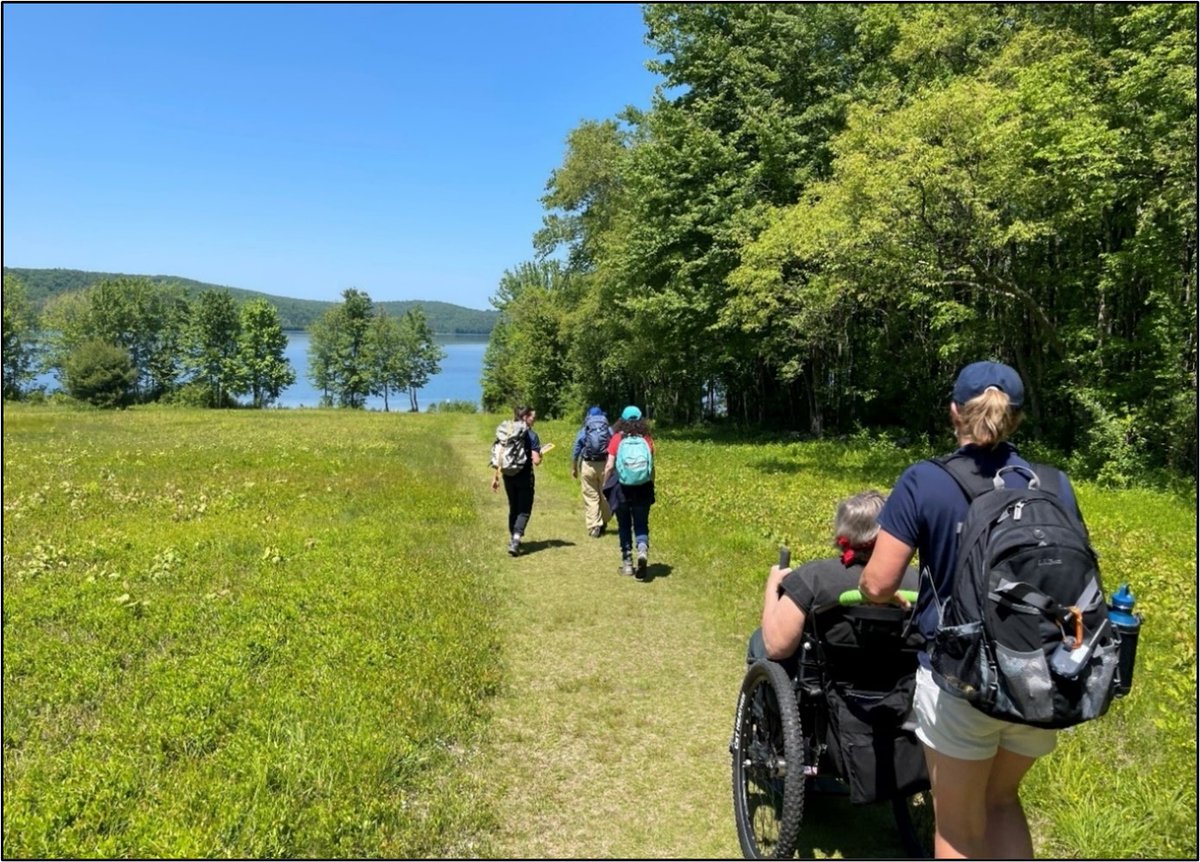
595 411
631 413
979 376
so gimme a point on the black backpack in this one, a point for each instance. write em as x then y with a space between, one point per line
1024 635
596 435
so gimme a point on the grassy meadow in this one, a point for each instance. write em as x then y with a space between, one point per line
237 634
275 634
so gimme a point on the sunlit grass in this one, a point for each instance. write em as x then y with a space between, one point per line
237 634
269 634
1121 786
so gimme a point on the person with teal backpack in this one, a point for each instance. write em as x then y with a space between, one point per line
629 487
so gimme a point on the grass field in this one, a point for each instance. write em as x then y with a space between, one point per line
296 634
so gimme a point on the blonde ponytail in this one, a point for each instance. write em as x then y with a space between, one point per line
988 418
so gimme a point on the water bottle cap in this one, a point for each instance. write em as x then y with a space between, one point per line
1123 598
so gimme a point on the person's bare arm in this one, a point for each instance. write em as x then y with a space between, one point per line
882 575
782 619
609 466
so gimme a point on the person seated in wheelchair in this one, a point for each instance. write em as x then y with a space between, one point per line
792 595
848 670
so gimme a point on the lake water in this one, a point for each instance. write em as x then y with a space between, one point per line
459 380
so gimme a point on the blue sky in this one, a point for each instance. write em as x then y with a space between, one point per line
301 149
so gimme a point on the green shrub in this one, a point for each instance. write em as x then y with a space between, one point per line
196 394
100 373
1115 450
453 407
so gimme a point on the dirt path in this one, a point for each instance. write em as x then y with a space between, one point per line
610 737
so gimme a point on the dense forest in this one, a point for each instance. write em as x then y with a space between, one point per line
829 208
444 318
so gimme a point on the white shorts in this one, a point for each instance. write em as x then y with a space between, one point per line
951 726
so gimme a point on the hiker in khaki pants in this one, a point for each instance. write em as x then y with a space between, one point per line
587 464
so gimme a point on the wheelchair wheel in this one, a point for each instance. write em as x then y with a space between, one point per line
768 764
914 823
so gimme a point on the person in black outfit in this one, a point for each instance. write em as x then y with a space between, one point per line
519 486
791 595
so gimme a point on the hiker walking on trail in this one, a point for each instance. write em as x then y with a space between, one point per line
976 760
588 459
629 487
515 452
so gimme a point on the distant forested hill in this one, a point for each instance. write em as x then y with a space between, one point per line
444 318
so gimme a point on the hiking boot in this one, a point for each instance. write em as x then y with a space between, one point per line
626 565
594 532
642 550
515 545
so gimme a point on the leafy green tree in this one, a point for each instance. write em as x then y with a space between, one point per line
262 368
829 207
211 345
526 357
339 355
388 357
421 354
100 373
20 338
322 345
145 318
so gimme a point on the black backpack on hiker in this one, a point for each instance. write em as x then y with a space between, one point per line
1024 635
596 436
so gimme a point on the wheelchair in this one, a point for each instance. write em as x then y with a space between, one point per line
832 718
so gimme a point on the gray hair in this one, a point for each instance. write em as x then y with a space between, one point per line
858 518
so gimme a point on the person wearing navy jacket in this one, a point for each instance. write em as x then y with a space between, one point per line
587 465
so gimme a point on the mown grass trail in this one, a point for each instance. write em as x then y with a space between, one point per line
607 737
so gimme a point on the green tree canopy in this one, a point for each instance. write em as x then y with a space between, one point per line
19 349
263 370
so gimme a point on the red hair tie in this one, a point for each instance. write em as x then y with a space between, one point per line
849 552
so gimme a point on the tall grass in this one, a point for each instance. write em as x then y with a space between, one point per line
238 634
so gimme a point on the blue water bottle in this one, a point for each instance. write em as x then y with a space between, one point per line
1127 624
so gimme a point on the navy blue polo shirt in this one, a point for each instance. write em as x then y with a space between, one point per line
533 443
926 507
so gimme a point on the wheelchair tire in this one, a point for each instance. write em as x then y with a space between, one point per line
914 823
768 764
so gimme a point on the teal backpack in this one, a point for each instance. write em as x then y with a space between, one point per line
634 461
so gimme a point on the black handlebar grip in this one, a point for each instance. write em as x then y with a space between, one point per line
785 557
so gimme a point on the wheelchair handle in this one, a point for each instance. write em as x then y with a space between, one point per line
854 597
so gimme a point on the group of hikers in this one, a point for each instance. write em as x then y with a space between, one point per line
976 757
613 463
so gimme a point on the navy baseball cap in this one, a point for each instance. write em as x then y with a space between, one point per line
978 376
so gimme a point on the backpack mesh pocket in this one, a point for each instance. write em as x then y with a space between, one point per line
1025 689
957 654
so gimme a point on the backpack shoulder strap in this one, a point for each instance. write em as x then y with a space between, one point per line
1050 478
963 473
